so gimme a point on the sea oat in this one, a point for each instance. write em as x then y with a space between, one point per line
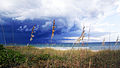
53 29
31 38
117 40
81 37
103 43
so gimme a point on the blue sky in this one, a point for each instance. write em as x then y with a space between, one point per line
18 16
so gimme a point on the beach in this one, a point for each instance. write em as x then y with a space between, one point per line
68 48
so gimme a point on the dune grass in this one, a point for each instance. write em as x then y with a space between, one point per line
50 58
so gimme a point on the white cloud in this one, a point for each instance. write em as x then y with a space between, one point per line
26 28
24 9
71 37
74 11
108 37
102 27
2 21
91 39
47 24
118 8
67 41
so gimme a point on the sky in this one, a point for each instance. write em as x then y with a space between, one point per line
17 18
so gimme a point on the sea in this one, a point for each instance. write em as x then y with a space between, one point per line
67 46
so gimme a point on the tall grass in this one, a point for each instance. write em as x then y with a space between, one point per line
103 43
117 40
53 29
4 38
80 38
31 38
88 36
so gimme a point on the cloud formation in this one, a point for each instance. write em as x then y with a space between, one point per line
73 10
68 13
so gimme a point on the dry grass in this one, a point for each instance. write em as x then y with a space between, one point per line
50 58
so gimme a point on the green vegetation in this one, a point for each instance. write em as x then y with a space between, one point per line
10 58
26 57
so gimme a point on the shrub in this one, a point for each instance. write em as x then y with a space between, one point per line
44 57
10 58
58 57
1 47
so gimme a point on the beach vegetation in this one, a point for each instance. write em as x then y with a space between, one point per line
10 58
51 58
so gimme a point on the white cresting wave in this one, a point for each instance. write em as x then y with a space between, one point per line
65 48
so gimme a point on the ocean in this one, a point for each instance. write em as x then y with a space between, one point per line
66 46
92 46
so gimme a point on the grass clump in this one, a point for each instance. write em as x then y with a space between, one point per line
107 58
44 56
103 59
